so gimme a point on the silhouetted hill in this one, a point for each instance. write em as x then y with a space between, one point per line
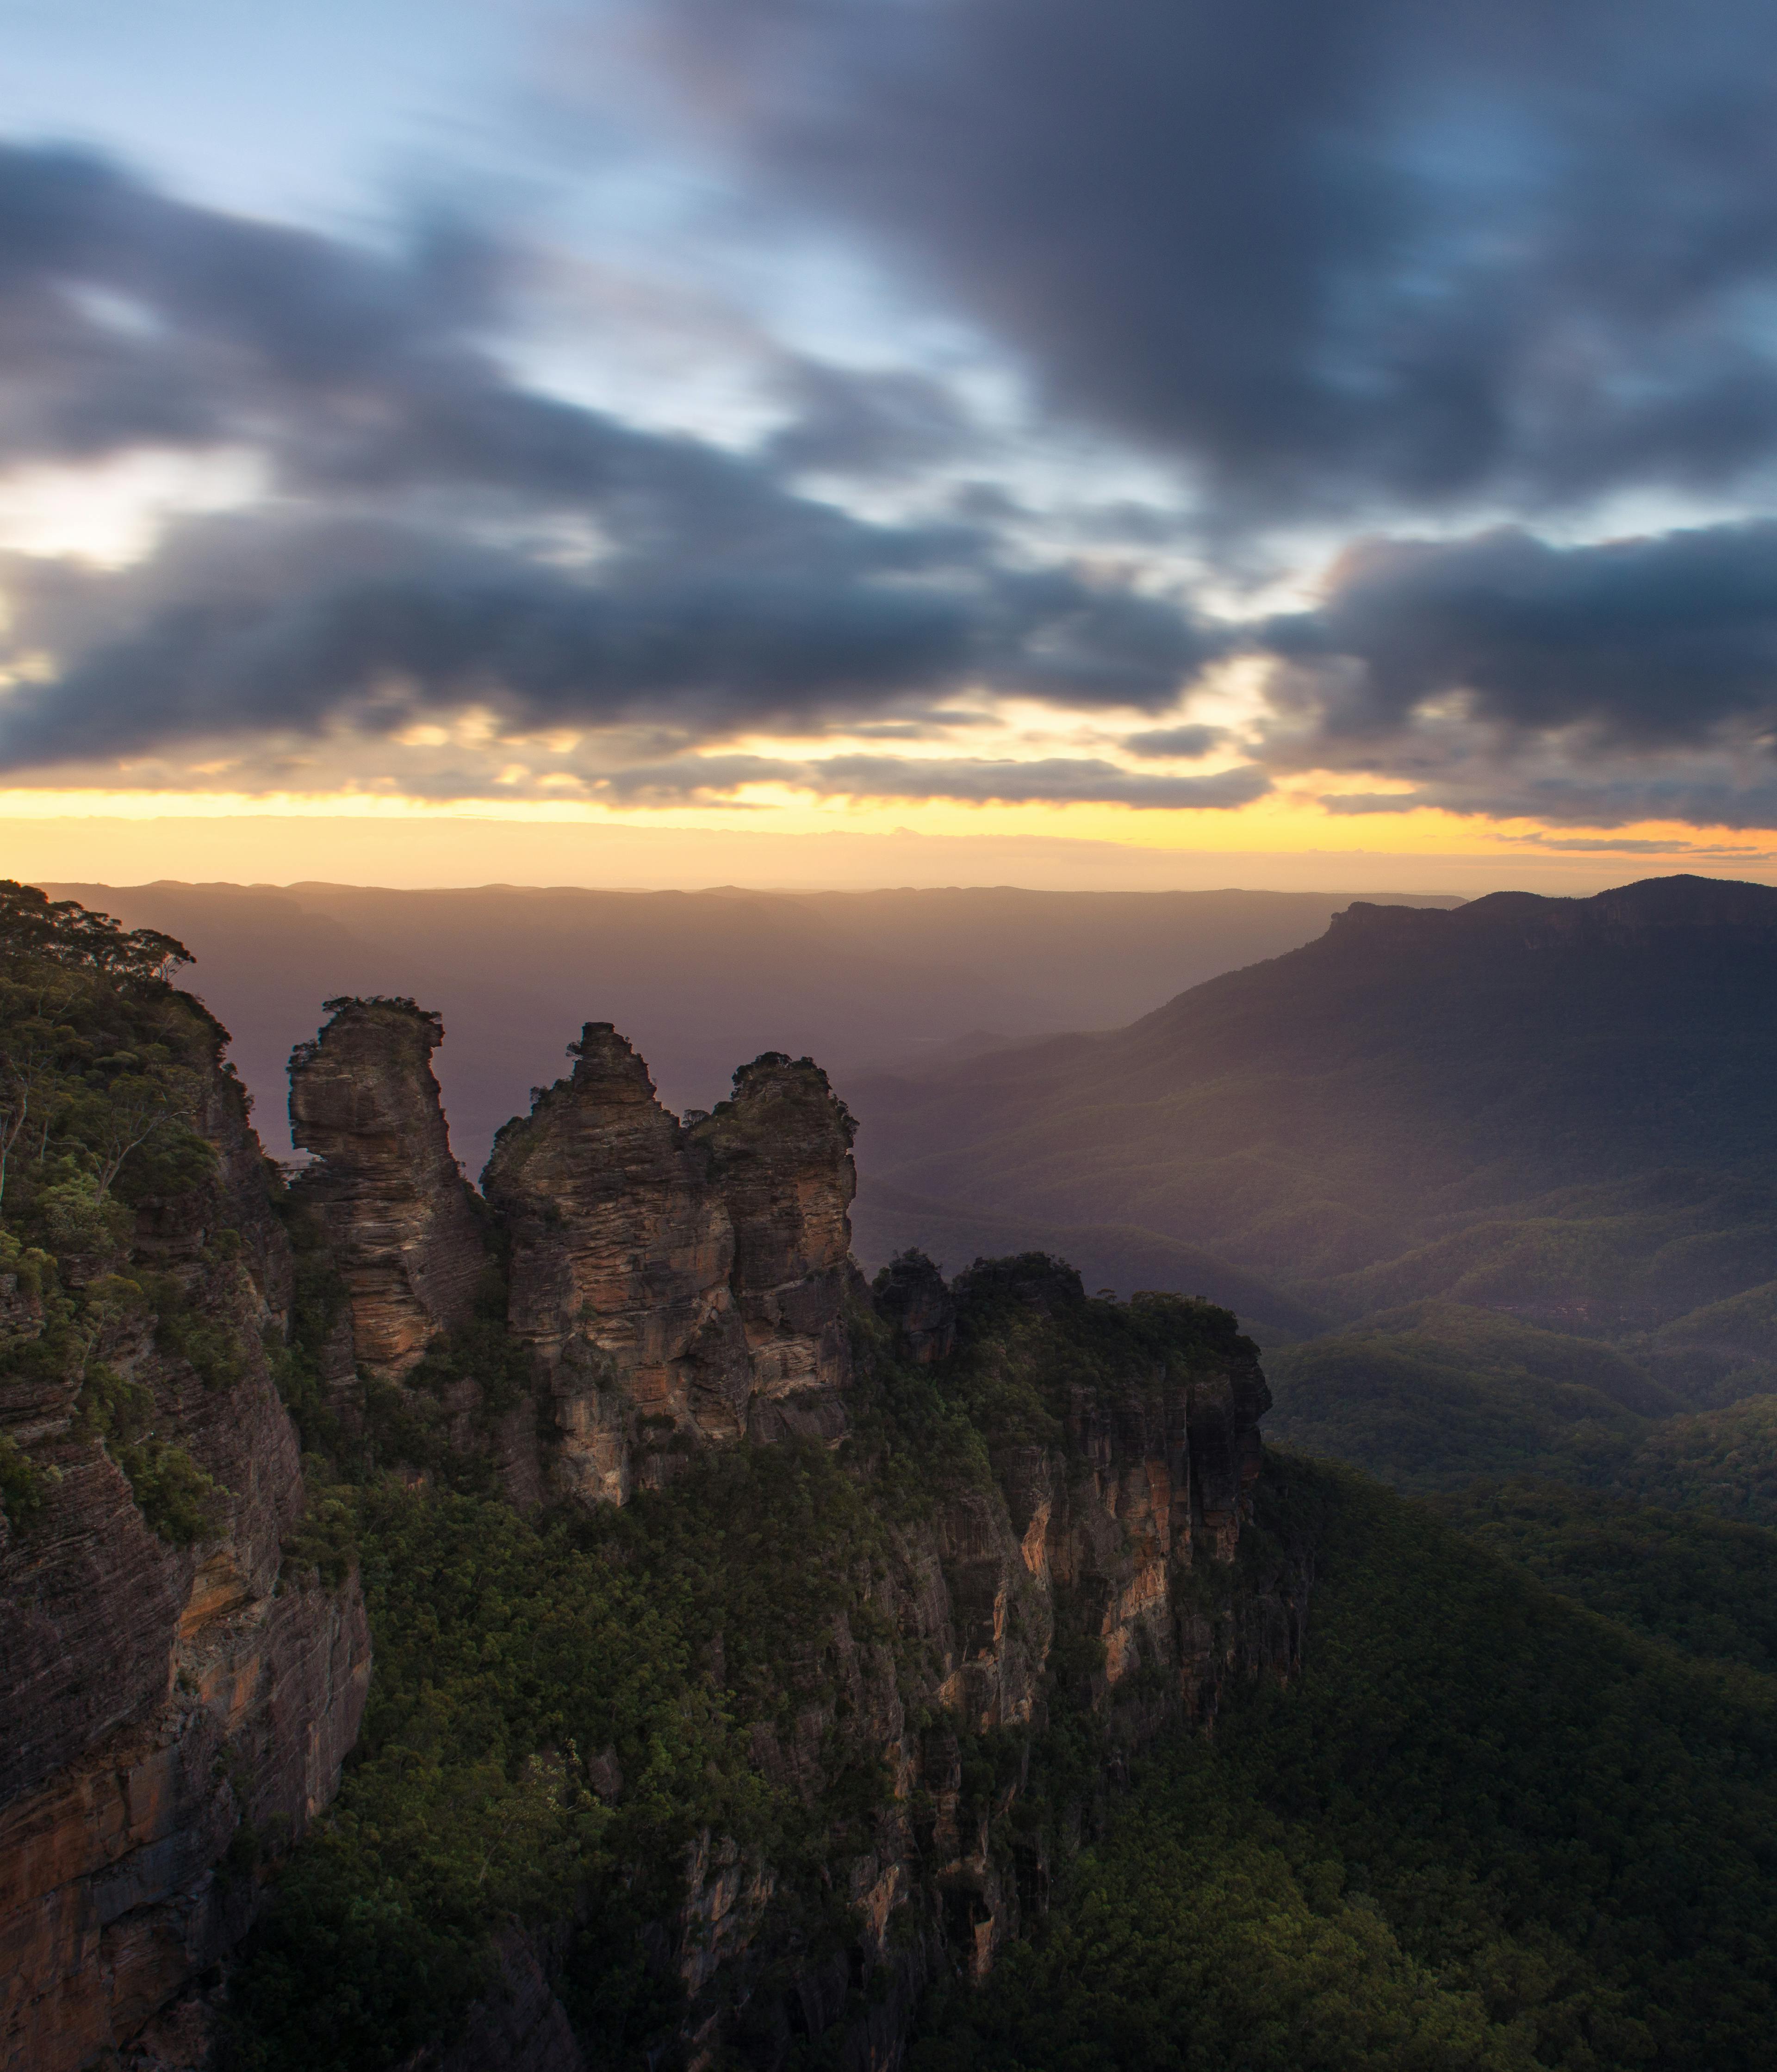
1453 1096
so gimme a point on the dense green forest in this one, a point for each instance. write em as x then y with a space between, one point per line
1488 1828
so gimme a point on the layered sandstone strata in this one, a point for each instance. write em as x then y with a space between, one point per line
779 1154
156 1701
621 1253
399 1215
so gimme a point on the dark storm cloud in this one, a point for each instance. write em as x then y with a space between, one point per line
1645 643
868 422
1632 680
1374 250
127 318
380 626
393 577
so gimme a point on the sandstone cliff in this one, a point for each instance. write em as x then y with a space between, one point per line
779 1154
1101 1574
1051 1498
174 1701
397 1212
680 1287
621 1251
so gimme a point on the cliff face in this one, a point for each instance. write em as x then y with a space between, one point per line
679 1287
779 1156
397 1212
1103 1574
1047 1502
171 1698
621 1253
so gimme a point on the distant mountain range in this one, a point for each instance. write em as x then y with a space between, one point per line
1558 1114
699 981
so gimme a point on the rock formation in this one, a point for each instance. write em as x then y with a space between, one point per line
174 1706
621 1253
679 1286
779 1154
1095 1573
398 1213
156 1701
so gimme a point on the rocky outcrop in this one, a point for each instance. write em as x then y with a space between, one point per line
122 1876
682 1284
169 1712
621 1253
679 1286
399 1215
779 1156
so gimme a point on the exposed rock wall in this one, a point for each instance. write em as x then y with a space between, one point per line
679 1287
398 1213
779 1154
687 1285
621 1253
1106 1571
154 1697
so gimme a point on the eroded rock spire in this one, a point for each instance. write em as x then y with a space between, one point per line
779 1154
398 1213
620 1261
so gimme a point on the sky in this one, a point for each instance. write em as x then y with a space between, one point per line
890 441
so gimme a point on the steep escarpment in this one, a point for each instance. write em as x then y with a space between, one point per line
176 1699
801 1728
398 1214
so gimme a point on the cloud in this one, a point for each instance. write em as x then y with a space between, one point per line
1646 642
1635 679
1586 845
409 559
1057 779
874 422
1187 742
1342 803
973 780
1352 260
1331 255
